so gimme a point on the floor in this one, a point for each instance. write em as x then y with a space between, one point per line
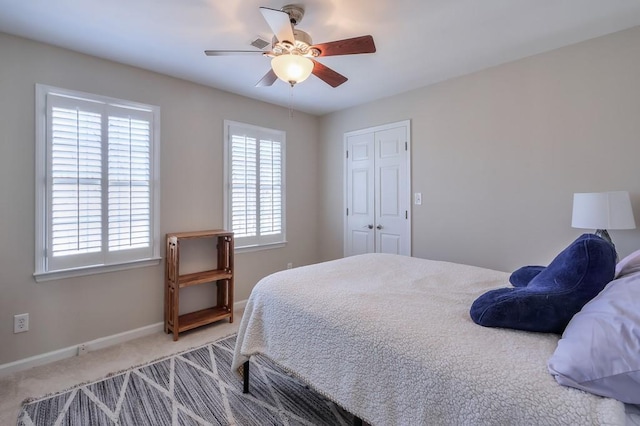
60 375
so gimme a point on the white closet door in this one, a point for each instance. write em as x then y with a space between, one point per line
377 191
393 231
360 194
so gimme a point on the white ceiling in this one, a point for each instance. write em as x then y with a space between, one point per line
419 42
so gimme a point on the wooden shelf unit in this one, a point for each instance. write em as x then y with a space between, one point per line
222 276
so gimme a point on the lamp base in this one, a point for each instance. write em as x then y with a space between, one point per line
602 233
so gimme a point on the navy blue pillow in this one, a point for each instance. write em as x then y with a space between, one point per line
521 277
554 295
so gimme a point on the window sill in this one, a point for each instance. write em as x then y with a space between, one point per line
247 249
92 270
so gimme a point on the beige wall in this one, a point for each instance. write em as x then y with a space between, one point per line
498 154
71 311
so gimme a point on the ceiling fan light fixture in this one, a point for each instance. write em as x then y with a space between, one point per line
292 68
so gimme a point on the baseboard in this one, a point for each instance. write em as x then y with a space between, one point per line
93 345
240 305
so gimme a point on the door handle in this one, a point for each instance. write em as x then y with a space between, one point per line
379 227
368 226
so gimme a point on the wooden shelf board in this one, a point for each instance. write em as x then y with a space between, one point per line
202 277
202 317
200 234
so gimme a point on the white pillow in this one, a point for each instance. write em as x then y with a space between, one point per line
628 265
599 351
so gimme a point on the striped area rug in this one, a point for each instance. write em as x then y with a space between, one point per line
196 387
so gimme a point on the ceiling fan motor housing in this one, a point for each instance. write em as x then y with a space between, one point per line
302 37
302 45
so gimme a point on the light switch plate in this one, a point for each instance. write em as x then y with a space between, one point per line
417 198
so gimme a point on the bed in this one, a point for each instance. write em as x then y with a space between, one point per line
389 338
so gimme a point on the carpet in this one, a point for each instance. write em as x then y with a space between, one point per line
196 387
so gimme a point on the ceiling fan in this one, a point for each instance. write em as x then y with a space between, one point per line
293 54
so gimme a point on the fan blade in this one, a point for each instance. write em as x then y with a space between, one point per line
268 79
349 46
231 52
328 75
280 24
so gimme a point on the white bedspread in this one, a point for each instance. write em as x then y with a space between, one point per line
390 339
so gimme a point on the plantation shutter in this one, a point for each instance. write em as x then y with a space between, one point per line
74 183
244 182
270 187
99 184
256 179
129 183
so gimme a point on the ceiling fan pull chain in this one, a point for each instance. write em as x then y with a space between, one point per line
291 101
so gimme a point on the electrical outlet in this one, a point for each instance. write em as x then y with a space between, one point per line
289 265
82 349
20 323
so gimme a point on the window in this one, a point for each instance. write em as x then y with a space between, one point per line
96 184
254 185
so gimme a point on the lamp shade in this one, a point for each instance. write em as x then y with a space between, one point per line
602 210
292 68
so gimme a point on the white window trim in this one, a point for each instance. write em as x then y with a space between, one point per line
41 274
239 248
